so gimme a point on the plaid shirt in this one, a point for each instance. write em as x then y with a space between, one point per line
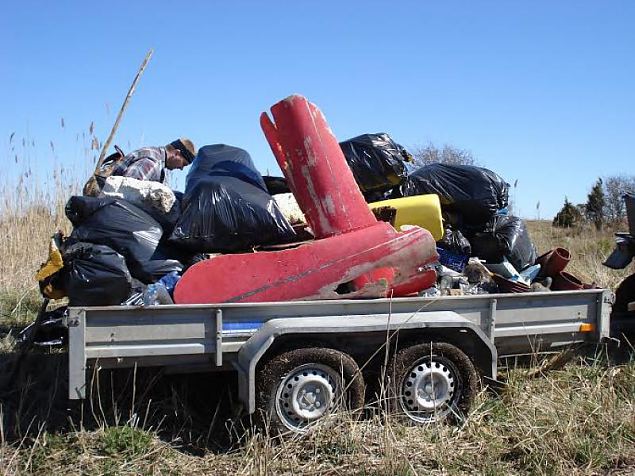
143 164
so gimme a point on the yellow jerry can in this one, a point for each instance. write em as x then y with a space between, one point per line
420 210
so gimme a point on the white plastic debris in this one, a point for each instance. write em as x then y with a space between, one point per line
289 208
145 194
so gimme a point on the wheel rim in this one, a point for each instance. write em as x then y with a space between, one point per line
306 394
429 390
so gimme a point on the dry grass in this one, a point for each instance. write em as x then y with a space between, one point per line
580 420
589 248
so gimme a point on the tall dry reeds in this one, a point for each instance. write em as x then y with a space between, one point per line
33 192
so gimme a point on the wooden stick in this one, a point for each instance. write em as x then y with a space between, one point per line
131 91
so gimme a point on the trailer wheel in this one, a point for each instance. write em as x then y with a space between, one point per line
431 382
301 386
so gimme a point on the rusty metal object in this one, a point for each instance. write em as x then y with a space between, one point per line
553 262
564 281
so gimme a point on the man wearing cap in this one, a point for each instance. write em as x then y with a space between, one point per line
149 163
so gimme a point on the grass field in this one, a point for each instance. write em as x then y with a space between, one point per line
576 420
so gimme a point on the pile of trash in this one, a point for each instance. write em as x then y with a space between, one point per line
133 242
483 248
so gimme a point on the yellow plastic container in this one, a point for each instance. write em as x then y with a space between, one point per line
420 210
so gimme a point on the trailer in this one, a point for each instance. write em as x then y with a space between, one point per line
298 361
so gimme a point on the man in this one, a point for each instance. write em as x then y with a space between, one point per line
149 163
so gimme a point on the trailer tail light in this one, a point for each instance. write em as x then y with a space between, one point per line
587 327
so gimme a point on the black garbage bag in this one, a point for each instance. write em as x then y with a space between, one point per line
276 185
474 193
226 214
126 229
453 240
221 160
226 206
168 220
95 275
377 162
505 236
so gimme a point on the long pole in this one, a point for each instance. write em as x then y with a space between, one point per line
131 91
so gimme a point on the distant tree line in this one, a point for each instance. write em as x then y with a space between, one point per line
604 204
448 154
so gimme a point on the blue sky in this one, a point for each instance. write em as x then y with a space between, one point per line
542 92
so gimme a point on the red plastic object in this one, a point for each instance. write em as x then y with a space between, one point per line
317 173
323 269
353 255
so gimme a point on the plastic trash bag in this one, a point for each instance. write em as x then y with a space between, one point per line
126 229
154 198
453 240
377 162
226 206
454 249
221 160
95 275
505 236
276 185
225 214
475 193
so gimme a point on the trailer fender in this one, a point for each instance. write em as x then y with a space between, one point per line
438 321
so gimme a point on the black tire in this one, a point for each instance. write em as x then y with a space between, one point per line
330 373
421 367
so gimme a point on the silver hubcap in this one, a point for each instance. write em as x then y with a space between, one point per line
427 390
306 394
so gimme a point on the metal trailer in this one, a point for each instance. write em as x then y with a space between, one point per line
295 360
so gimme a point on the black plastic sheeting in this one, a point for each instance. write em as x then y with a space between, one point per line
168 220
473 193
505 236
126 229
226 206
95 275
225 214
377 162
454 241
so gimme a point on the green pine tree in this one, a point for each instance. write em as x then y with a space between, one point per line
568 216
594 208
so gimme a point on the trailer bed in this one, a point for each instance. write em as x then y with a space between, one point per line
211 336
